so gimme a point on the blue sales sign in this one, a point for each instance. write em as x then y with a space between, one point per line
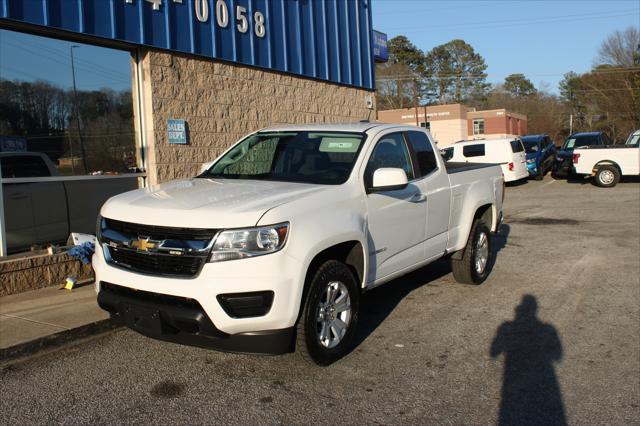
177 131
380 52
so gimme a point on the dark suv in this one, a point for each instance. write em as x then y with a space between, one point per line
563 164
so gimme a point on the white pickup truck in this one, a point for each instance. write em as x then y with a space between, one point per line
606 163
271 247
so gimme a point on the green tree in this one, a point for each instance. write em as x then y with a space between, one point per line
455 71
400 80
518 85
402 51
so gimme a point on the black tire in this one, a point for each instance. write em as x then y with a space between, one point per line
464 268
606 176
308 340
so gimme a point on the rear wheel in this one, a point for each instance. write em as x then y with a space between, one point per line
606 176
330 314
475 262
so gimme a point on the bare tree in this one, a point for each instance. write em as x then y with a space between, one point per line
620 49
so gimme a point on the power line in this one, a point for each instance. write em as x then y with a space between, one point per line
418 77
99 66
65 63
510 23
475 4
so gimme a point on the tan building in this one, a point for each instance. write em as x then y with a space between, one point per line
454 122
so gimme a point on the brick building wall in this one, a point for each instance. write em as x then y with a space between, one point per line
222 102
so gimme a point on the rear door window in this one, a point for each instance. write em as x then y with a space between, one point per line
473 150
516 146
424 153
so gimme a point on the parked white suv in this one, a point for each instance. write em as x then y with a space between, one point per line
509 153
606 163
278 238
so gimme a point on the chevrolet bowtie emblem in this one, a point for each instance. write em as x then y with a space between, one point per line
142 244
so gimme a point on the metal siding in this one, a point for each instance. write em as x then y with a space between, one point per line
324 39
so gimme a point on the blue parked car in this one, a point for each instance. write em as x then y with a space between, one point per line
540 151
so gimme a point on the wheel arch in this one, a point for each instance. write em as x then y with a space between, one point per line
486 212
351 253
608 163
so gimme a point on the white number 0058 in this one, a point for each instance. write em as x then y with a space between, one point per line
222 15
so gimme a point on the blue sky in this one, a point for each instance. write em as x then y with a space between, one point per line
541 39
28 57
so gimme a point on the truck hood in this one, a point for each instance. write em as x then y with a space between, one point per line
205 203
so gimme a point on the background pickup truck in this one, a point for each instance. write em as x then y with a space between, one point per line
271 247
607 163
47 209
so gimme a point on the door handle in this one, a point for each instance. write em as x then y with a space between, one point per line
17 196
418 197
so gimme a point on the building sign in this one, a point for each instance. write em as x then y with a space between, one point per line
177 131
327 40
12 144
380 52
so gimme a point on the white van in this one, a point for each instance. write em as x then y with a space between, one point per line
508 153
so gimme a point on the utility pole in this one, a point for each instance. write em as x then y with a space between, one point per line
3 235
570 124
77 112
415 100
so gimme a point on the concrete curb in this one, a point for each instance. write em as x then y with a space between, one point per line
58 339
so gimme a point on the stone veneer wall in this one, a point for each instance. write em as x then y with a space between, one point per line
31 273
222 102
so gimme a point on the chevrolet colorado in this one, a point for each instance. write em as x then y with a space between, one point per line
271 247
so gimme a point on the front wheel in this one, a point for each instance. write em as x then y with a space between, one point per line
329 317
474 264
606 176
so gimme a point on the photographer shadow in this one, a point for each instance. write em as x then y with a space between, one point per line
530 390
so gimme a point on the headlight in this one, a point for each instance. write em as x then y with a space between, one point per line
99 222
249 242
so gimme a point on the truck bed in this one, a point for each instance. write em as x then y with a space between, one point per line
457 167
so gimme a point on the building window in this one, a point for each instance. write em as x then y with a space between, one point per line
478 127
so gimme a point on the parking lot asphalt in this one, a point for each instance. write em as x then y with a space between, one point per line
552 336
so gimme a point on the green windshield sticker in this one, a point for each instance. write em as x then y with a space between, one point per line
330 144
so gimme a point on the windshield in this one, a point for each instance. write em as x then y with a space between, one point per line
575 142
530 146
633 140
291 156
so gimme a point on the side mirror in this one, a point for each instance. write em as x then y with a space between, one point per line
389 179
205 167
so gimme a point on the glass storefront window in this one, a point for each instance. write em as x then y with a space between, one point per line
66 115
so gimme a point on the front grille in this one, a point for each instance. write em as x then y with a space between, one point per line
159 232
156 263
173 251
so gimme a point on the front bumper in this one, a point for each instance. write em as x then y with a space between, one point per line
278 274
533 169
182 320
